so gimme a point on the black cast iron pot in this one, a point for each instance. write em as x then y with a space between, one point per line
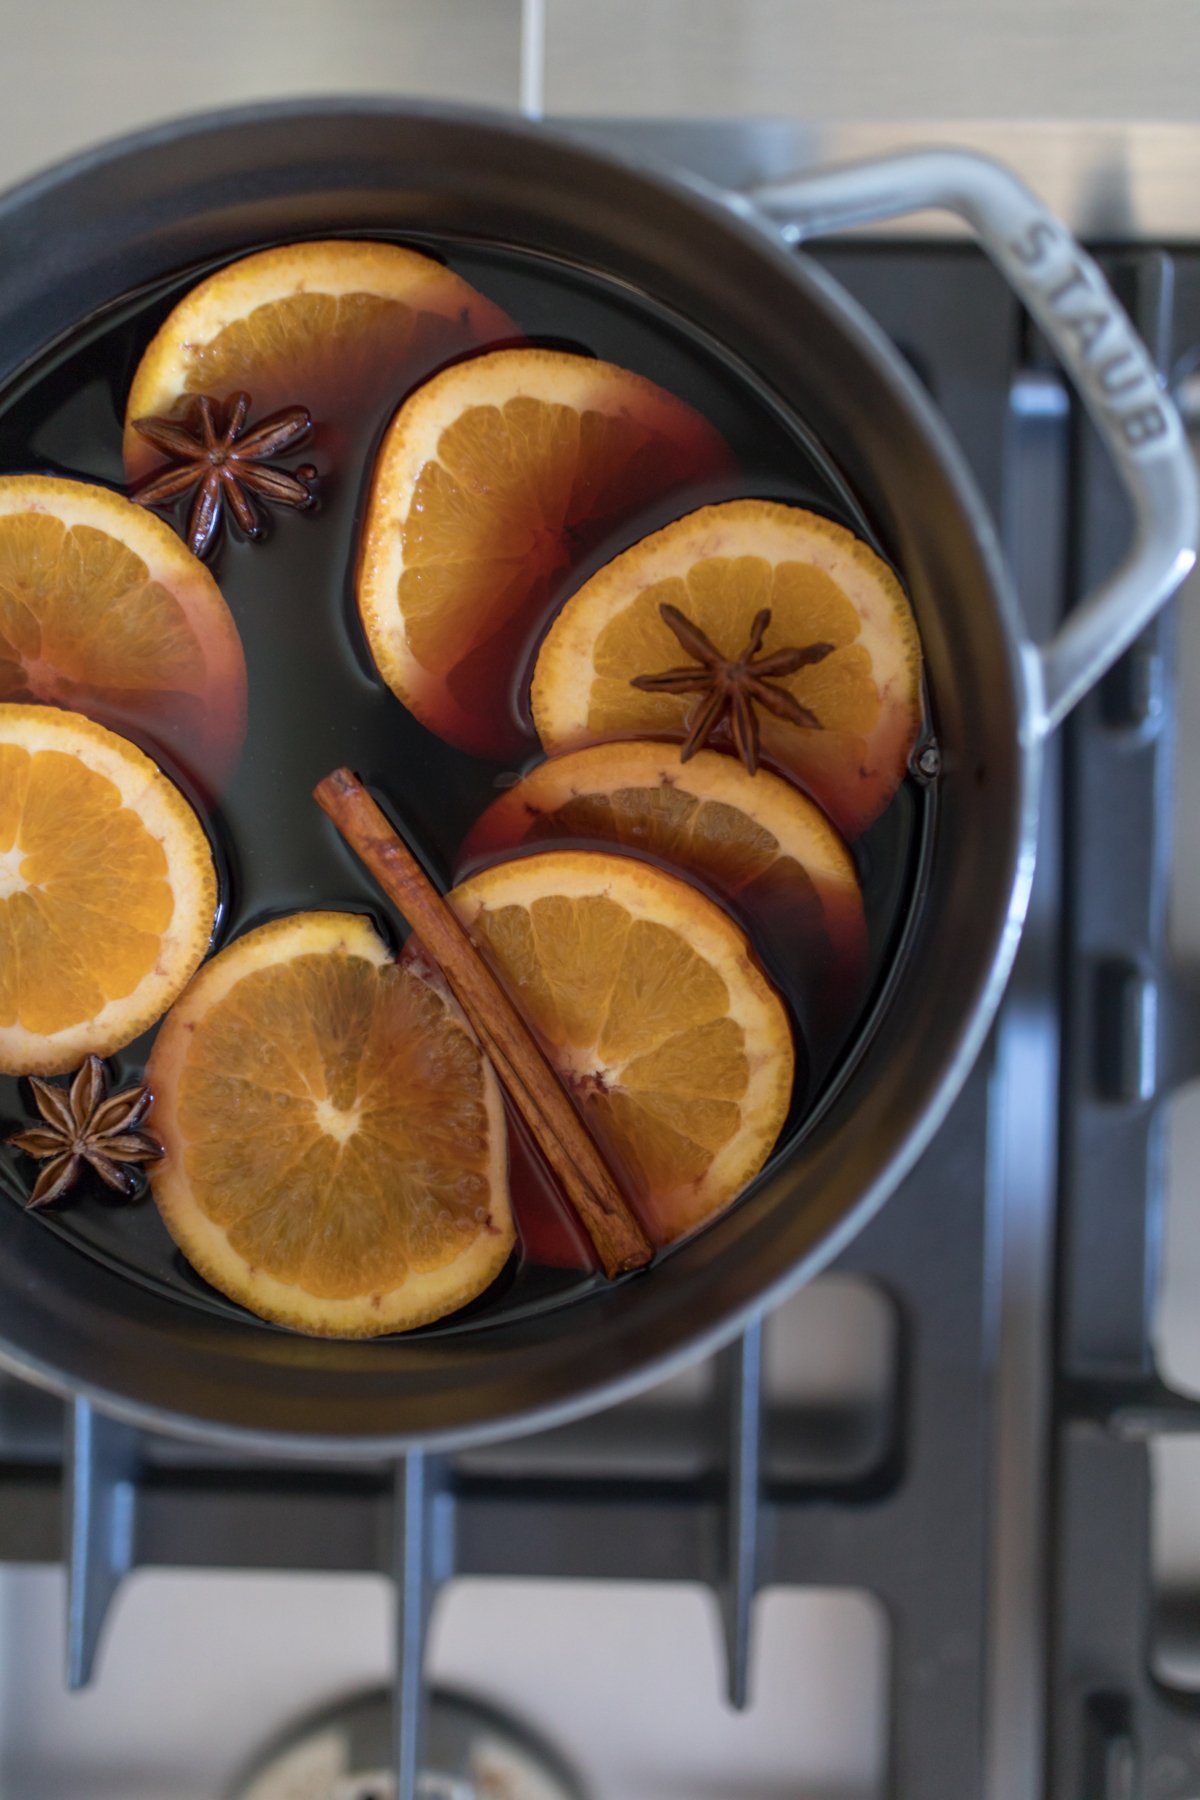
104 224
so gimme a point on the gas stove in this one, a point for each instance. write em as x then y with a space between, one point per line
944 1450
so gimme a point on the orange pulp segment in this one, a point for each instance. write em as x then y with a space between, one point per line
103 611
494 480
652 1007
107 891
334 1136
720 566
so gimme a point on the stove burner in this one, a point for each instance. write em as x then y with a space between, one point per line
474 1752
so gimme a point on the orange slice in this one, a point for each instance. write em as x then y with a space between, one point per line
652 1007
335 1141
107 891
494 481
720 566
103 611
332 326
758 843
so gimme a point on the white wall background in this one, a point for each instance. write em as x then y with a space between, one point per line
73 72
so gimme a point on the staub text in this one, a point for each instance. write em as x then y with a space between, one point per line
1113 363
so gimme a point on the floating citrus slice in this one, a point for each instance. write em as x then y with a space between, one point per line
755 841
334 1136
107 891
655 1012
720 567
103 611
494 480
331 325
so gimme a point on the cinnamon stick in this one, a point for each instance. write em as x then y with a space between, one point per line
531 1080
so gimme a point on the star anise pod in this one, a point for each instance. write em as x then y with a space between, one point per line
733 686
87 1125
212 451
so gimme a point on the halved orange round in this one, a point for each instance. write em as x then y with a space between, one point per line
332 325
757 842
720 567
103 611
657 1015
334 1136
107 891
493 482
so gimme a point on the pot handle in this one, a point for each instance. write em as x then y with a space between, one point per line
1081 318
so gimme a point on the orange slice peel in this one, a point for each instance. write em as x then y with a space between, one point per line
107 891
103 611
721 567
493 481
655 1012
335 1147
756 842
332 325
